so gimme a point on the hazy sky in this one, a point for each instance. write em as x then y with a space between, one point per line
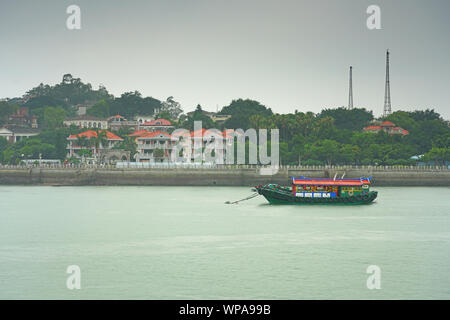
286 54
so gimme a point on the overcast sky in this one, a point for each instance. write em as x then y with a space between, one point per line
286 54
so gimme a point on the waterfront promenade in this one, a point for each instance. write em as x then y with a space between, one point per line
232 175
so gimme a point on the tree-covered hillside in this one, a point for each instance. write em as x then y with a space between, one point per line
333 136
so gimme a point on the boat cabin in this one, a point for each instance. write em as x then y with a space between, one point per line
329 188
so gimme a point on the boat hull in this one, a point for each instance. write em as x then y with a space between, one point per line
280 195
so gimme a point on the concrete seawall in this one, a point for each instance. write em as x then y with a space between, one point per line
212 176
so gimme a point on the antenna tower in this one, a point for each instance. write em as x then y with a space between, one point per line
350 91
387 90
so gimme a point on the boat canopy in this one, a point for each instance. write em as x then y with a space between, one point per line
330 182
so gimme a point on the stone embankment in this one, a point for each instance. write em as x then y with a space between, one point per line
217 176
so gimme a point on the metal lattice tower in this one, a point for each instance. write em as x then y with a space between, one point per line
387 90
350 91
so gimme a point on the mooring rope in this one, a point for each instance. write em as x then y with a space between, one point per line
248 198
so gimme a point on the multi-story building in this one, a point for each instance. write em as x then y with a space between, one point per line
141 118
88 138
157 125
87 121
155 146
209 145
190 146
117 122
22 118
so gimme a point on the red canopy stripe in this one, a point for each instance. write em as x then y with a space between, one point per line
330 182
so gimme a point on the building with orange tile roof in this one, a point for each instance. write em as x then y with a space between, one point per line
157 125
87 138
386 126
117 122
148 142
139 133
203 140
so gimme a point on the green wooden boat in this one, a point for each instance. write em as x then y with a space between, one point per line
320 191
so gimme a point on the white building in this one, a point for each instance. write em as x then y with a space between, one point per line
115 123
148 142
141 119
186 143
87 121
14 133
214 116
204 141
73 147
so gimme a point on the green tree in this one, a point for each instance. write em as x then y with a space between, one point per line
100 109
198 115
403 119
158 153
35 148
349 154
100 141
171 107
305 123
54 117
241 111
50 117
130 104
3 146
352 119
128 144
84 153
32 148
425 115
10 155
439 155
164 115
6 110
70 91
298 143
58 138
285 154
324 150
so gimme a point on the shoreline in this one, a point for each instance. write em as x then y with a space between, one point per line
247 176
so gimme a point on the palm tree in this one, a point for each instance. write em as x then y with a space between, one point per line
305 122
99 141
255 121
82 141
85 144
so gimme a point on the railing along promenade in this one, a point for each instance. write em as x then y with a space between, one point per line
224 167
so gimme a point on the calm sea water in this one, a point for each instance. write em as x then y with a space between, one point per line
185 243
